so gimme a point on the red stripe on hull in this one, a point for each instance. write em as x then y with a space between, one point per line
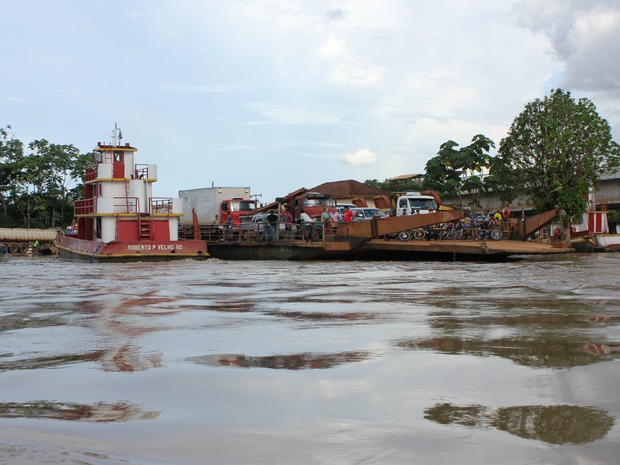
73 248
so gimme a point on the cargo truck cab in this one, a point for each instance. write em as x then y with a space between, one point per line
236 208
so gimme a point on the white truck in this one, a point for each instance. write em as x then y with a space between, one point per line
213 205
412 203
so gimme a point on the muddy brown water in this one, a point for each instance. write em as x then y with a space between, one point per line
310 362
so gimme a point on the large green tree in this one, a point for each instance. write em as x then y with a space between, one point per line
458 171
11 156
555 152
396 185
37 189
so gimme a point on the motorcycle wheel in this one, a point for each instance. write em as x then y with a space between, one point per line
404 236
419 234
496 234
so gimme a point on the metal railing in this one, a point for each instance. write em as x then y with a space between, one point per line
141 171
255 233
85 207
160 205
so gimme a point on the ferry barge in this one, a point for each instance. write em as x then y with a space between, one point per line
119 220
366 240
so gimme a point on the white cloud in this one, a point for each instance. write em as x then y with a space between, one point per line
585 34
363 157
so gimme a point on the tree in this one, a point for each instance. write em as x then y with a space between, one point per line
555 152
37 189
11 156
396 186
456 171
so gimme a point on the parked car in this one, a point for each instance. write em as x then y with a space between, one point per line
362 214
256 225
341 206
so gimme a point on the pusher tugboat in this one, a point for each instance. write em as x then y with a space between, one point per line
119 219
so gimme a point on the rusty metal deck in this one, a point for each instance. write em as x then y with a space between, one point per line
468 247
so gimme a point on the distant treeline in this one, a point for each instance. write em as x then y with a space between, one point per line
38 182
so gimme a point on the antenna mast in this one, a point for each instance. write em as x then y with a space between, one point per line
117 135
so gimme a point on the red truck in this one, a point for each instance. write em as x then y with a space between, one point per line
216 204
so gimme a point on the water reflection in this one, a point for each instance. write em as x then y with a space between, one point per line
49 362
128 358
556 424
101 412
540 340
303 361
546 352
30 319
320 316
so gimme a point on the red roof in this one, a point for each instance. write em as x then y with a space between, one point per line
349 188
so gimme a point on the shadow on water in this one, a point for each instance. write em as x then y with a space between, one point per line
556 424
101 412
304 361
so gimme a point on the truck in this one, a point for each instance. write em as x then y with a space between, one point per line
213 205
412 203
22 240
312 203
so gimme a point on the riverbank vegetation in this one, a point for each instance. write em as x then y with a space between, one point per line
38 182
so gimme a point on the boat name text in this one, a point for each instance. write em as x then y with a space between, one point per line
156 247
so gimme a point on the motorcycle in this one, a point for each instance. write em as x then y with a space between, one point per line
490 229
402 236
428 233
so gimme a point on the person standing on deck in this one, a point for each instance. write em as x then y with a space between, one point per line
271 232
288 221
348 215
506 212
307 226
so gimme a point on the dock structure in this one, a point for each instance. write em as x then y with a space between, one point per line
366 241
464 249
379 249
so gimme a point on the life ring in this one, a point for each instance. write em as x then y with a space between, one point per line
557 232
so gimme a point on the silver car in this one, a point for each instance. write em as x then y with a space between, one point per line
362 214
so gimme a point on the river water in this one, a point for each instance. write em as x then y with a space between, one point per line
310 362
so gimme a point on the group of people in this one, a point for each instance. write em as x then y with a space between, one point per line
329 219
503 215
332 216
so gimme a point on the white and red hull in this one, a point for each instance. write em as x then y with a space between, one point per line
126 251
609 241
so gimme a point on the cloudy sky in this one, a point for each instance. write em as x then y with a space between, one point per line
278 95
